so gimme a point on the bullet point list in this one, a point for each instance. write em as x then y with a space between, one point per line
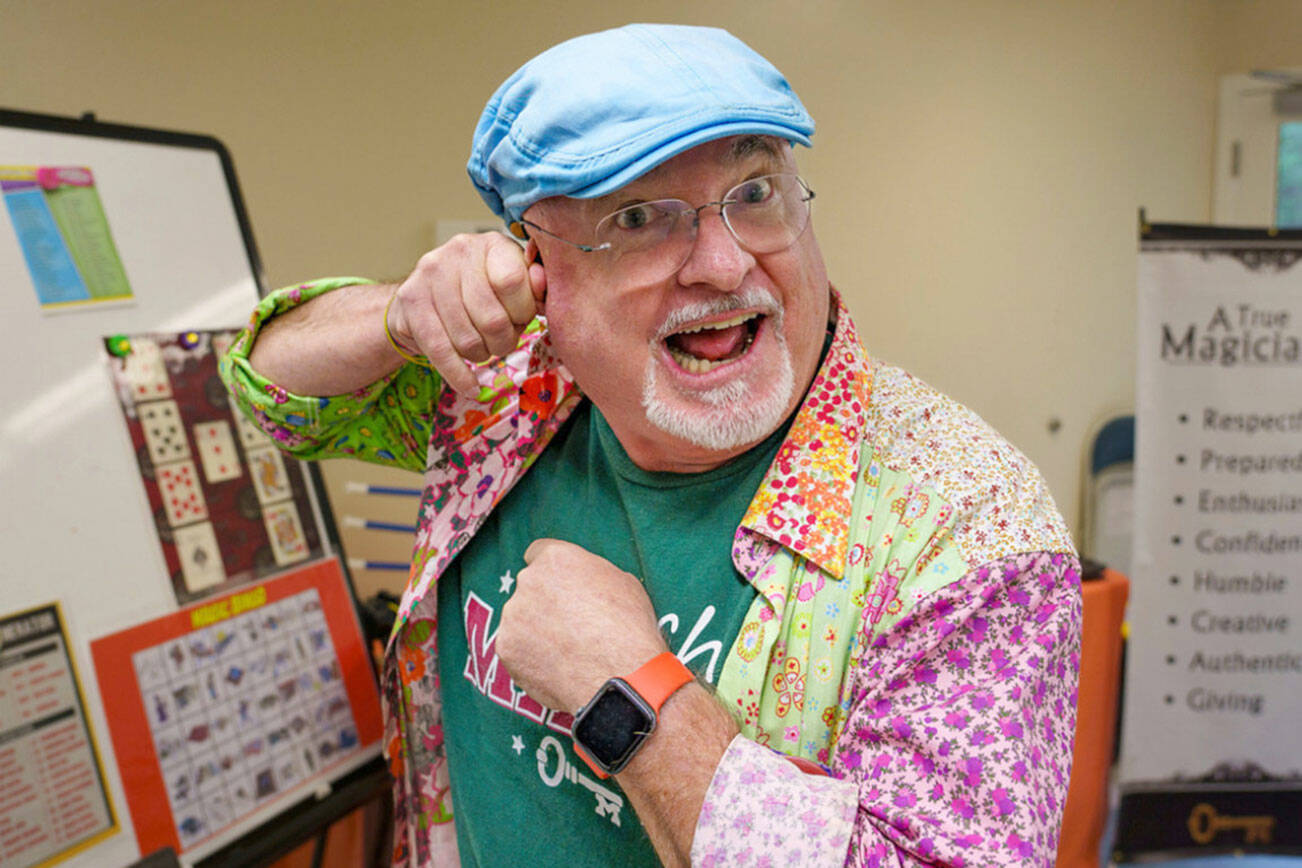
1214 613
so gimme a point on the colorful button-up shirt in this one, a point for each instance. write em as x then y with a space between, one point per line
916 631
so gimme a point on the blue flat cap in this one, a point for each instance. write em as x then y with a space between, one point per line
588 116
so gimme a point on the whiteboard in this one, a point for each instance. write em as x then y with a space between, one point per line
77 524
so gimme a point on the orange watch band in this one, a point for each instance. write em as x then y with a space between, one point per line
658 678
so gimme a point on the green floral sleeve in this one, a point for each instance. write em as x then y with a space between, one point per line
387 422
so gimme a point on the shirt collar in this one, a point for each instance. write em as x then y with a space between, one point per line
804 501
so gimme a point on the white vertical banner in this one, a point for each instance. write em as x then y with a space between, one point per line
1212 727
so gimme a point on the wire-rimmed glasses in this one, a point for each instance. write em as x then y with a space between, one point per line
652 240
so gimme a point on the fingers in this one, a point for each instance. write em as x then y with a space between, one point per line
573 620
431 339
508 274
539 547
465 302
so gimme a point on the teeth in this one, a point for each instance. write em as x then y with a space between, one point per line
692 364
714 326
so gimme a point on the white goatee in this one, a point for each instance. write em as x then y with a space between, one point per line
739 412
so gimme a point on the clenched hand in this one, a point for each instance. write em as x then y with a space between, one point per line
467 301
574 620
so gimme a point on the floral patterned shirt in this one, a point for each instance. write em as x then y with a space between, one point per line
915 640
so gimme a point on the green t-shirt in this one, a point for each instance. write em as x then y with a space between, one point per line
520 794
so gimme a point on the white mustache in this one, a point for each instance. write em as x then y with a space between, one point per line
755 297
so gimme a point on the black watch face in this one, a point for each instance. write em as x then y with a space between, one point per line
612 726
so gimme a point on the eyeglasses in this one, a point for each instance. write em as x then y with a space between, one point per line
651 240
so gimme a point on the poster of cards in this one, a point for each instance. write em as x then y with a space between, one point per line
228 507
228 711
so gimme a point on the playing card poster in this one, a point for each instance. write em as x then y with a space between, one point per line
52 796
230 710
228 507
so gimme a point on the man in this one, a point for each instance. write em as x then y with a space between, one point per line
653 428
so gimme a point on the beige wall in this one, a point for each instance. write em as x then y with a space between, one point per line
979 164
1258 34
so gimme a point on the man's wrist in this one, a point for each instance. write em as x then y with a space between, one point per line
692 712
668 779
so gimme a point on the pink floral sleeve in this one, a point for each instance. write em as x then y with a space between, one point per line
763 810
957 750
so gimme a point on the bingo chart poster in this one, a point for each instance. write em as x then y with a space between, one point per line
235 708
205 466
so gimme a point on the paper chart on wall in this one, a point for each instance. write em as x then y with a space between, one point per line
52 796
59 222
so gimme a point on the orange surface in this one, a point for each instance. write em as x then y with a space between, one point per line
350 843
1096 718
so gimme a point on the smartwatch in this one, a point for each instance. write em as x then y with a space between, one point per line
613 726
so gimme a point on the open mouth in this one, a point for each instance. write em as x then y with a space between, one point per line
702 348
